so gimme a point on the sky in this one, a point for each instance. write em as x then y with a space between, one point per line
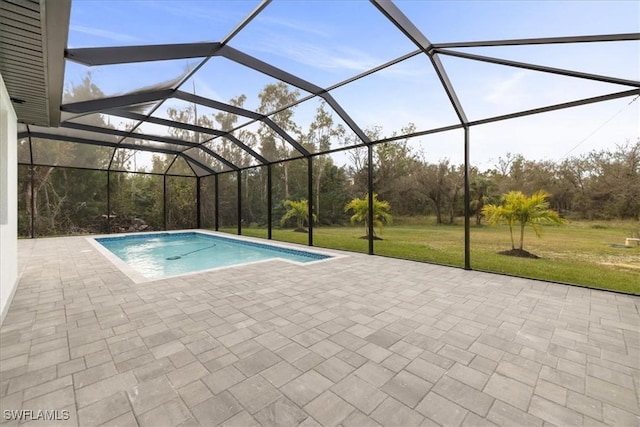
326 42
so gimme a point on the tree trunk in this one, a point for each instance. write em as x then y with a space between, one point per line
318 191
513 245
27 190
521 236
39 187
479 212
27 194
285 165
452 205
438 214
247 198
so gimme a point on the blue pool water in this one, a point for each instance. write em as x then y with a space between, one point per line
168 254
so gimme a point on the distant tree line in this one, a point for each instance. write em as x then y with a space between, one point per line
602 184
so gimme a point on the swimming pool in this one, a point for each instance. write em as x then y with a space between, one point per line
159 255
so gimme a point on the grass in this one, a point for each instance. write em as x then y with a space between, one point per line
576 253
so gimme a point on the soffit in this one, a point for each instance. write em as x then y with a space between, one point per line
33 36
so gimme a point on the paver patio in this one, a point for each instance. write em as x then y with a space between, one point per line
355 341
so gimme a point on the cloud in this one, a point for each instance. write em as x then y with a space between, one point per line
307 43
204 89
324 53
195 10
317 56
304 27
105 34
411 69
506 92
340 58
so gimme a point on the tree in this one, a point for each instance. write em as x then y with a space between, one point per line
334 193
615 181
180 192
225 147
517 208
253 181
442 184
360 208
318 138
66 201
480 188
275 97
298 210
395 168
358 159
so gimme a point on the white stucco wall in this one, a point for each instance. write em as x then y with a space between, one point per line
8 201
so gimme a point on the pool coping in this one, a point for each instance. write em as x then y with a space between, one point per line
137 277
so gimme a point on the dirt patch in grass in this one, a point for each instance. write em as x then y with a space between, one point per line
374 238
521 253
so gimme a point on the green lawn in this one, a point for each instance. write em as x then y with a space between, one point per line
577 253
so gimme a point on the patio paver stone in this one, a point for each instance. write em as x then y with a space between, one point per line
353 341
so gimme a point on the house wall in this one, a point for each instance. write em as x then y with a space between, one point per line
8 201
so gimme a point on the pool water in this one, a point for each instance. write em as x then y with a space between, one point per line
169 254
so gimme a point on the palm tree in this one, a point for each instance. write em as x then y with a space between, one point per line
298 210
517 208
360 208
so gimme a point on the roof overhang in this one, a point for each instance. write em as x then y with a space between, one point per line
33 37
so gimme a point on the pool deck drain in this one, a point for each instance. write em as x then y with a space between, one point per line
357 341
